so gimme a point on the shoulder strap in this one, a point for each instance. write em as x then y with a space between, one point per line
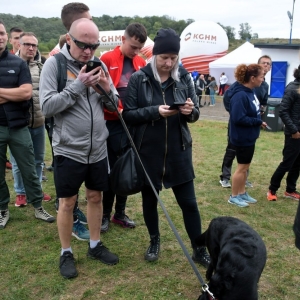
61 71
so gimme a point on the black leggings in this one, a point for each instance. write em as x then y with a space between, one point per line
185 196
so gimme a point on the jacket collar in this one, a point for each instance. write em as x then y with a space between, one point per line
4 53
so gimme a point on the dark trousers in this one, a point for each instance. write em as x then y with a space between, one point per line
117 143
186 199
290 163
297 227
222 89
228 159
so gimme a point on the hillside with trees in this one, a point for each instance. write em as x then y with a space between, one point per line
48 30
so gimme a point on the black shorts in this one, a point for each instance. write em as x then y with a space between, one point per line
70 174
244 154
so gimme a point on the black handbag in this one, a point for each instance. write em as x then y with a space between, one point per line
127 175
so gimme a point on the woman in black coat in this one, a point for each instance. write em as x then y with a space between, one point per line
162 136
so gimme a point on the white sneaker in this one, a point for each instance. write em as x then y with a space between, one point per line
41 214
225 183
4 217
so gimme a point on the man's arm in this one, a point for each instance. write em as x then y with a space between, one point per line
21 93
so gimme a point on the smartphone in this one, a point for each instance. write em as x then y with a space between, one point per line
92 64
268 127
176 105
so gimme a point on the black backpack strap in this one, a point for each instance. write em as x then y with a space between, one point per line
61 71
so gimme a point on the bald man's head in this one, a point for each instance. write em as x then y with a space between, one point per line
83 39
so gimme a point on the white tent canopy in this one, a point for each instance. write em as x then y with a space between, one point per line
245 54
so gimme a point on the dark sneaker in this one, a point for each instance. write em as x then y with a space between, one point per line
41 214
80 232
105 224
100 252
201 256
80 215
153 250
4 217
67 265
123 220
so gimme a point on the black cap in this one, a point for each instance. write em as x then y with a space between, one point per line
166 41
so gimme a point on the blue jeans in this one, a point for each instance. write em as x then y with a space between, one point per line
38 141
20 145
212 97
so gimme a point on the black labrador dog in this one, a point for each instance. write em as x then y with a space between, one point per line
238 257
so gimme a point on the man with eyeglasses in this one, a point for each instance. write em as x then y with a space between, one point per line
29 52
79 138
262 92
122 62
15 93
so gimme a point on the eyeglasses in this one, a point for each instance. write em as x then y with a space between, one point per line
84 46
265 63
28 45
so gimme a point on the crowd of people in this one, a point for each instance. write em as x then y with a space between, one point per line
59 93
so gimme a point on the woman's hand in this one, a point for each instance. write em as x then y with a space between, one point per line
264 125
187 108
165 112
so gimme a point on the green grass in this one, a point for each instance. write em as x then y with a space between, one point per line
30 248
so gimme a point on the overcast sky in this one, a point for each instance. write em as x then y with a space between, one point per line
267 18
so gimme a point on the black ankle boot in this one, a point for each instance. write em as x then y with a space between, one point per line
201 256
153 250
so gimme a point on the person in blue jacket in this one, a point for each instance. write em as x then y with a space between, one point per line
245 123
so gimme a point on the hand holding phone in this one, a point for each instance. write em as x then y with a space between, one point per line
176 105
268 127
92 64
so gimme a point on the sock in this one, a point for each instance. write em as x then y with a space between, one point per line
66 249
76 221
93 244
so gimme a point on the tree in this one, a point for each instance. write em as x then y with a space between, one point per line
230 31
245 31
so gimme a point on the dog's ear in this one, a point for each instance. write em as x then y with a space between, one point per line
200 240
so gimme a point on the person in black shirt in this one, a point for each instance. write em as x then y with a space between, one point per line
15 93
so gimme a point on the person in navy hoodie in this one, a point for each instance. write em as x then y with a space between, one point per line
245 123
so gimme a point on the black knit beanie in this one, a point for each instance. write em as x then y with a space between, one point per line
166 41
